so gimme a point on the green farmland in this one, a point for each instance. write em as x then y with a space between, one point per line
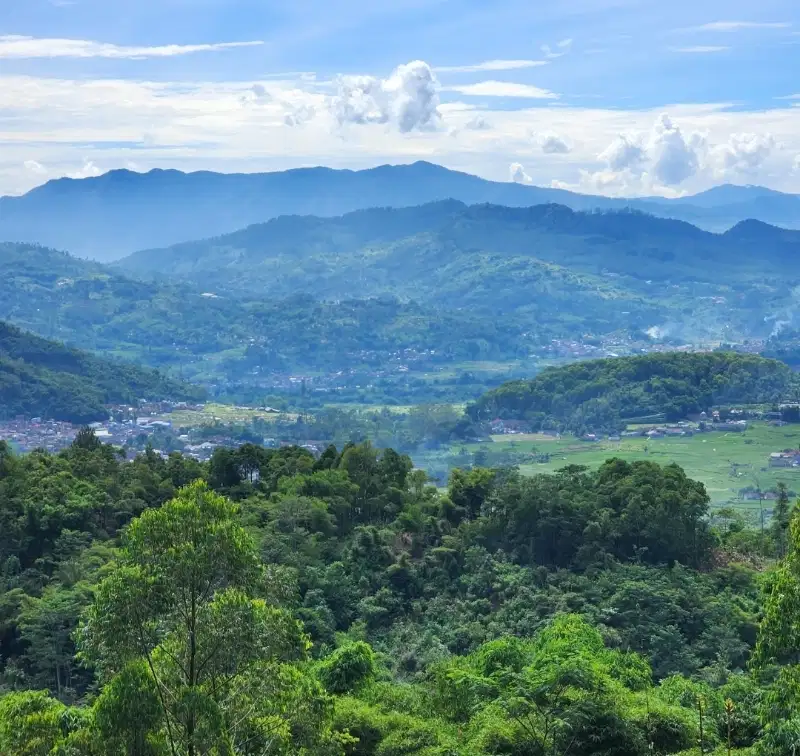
724 462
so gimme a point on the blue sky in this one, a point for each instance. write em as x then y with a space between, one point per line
610 96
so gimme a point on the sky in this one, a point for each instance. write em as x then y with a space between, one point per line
614 97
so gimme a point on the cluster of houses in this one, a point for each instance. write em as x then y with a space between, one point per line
786 458
35 433
500 427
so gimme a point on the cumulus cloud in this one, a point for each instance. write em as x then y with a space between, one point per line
552 144
408 99
624 153
504 89
35 167
741 154
492 65
665 153
88 170
15 46
518 174
674 157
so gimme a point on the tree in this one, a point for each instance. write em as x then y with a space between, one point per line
779 527
181 605
778 644
33 724
46 626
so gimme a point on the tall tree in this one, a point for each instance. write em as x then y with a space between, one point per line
182 601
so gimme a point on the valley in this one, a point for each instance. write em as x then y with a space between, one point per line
436 480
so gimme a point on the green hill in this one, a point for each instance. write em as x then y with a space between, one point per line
582 271
45 378
227 337
604 395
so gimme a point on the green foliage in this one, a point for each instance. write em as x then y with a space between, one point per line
605 395
348 668
555 614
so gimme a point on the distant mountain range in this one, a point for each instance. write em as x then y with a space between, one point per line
44 378
437 284
110 216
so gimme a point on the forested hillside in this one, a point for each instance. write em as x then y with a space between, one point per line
46 379
600 271
127 211
90 306
605 395
269 602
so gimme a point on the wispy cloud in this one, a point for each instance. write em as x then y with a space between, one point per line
504 89
492 65
700 49
15 46
561 48
733 26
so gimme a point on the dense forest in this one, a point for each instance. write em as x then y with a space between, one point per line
46 379
270 602
605 395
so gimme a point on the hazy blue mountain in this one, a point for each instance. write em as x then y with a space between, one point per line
732 194
333 256
112 215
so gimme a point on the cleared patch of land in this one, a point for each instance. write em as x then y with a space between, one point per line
223 413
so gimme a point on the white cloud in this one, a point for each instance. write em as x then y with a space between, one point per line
518 174
203 125
492 65
88 170
408 99
504 89
656 161
13 46
35 167
624 153
552 144
796 166
700 49
741 154
297 116
733 26
478 123
674 158
256 94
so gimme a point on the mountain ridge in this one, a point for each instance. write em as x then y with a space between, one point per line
110 216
